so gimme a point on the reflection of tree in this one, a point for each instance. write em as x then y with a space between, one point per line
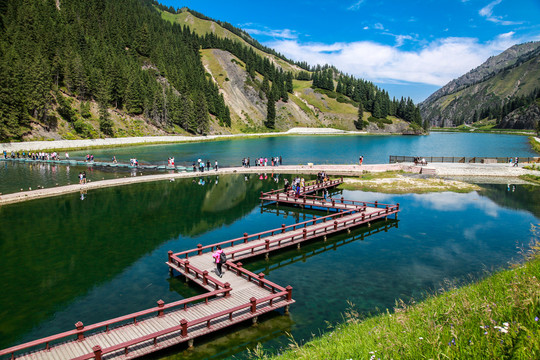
520 197
55 249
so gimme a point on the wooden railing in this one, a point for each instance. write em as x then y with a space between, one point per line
80 330
308 186
184 325
461 159
304 198
247 238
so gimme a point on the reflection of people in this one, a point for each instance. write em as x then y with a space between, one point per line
217 260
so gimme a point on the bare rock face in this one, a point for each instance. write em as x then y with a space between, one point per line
522 118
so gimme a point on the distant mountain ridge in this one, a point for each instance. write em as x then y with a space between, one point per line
485 90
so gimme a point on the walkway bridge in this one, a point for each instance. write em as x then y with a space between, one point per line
239 296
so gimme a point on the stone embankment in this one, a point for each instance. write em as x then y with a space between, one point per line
439 169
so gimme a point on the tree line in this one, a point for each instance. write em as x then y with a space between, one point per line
118 53
122 55
369 97
499 111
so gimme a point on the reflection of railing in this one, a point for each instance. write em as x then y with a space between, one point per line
460 159
331 245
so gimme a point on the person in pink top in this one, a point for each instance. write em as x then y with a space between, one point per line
219 259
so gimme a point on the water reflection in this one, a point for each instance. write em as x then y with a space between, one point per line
67 260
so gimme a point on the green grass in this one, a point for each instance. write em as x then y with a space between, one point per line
531 178
534 144
496 318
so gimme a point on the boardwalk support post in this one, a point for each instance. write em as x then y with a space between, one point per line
204 279
160 304
253 305
80 335
190 343
245 238
239 265
199 249
183 324
228 289
267 244
186 266
261 278
335 224
289 292
254 320
304 233
282 228
97 352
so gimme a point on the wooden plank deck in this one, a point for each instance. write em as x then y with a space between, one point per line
238 296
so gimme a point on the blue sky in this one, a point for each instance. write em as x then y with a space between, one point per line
410 48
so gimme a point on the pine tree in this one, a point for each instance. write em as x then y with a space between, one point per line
271 112
289 82
360 112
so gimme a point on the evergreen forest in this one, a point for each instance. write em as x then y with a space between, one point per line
124 57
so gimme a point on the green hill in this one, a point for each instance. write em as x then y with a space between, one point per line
490 92
104 68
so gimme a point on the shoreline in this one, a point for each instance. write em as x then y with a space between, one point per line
438 169
152 140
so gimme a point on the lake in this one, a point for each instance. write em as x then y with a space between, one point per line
67 259
332 149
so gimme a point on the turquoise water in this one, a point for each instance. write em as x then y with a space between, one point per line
66 260
332 149
293 149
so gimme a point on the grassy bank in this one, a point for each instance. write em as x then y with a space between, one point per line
496 318
531 178
534 144
484 130
393 182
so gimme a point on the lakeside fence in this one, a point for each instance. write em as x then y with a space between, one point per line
462 159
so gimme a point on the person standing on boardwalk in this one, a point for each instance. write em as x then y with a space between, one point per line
219 259
216 166
360 160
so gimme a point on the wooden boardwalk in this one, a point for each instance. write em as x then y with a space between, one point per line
238 296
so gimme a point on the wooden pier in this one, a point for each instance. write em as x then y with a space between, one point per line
238 296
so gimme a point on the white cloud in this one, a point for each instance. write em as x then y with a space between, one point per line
487 12
356 5
488 9
378 26
280 34
436 63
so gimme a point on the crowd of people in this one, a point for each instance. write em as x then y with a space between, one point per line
41 155
262 161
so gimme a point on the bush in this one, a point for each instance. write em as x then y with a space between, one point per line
84 129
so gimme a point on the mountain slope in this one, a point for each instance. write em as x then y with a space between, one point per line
106 68
485 90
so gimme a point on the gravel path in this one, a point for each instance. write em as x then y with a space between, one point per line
72 144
